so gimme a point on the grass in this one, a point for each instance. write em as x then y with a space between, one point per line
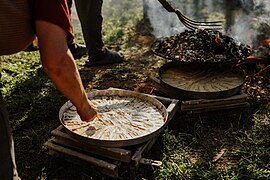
223 146
189 153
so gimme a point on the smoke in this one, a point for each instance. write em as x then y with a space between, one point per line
245 27
247 15
249 19
164 23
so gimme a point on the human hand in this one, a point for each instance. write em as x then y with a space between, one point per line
90 114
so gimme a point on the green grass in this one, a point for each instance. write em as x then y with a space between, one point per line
188 153
187 147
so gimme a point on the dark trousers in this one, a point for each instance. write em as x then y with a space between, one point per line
7 157
8 169
89 13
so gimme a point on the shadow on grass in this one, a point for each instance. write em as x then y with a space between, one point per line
33 107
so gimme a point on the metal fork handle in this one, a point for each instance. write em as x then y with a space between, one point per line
191 24
182 16
167 5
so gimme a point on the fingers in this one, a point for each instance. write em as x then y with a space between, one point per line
90 115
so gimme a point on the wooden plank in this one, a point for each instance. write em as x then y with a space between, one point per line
112 153
211 105
144 148
209 109
77 157
204 105
237 98
172 109
206 116
214 106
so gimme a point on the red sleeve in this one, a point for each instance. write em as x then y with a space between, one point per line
56 12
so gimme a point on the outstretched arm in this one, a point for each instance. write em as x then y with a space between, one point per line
59 65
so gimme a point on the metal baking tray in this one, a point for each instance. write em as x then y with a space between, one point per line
117 143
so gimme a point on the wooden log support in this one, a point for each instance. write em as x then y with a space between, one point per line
142 150
112 153
205 105
77 157
172 109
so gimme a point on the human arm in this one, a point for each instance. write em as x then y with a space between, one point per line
60 67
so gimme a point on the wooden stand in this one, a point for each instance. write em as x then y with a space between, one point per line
197 106
106 160
205 105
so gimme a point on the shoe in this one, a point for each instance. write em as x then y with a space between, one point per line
104 58
77 50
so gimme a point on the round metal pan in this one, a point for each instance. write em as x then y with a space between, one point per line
184 94
117 143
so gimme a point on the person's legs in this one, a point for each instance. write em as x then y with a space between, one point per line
77 50
89 12
7 156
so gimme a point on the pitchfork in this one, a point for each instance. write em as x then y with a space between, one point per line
189 23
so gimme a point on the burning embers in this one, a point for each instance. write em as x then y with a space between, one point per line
268 42
201 46
263 49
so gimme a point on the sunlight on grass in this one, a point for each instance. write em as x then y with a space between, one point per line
18 68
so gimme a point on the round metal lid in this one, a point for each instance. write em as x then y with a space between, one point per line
195 81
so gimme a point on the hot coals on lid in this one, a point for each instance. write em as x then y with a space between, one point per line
201 46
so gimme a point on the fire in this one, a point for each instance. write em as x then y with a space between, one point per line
268 42
217 39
